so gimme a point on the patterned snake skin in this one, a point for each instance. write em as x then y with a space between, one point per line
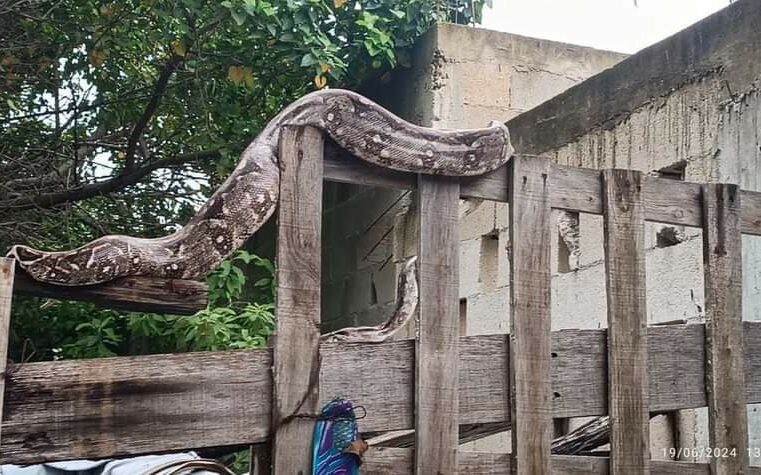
249 196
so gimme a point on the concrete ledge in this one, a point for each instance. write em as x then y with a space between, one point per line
723 43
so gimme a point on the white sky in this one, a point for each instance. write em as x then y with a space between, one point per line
616 25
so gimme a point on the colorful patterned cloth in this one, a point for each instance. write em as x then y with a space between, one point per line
335 430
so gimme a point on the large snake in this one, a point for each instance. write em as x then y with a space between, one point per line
249 195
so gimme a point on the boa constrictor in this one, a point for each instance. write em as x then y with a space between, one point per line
249 196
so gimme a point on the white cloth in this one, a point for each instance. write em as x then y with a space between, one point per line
129 466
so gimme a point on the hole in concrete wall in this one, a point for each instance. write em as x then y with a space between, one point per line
488 261
675 171
463 316
671 235
564 256
568 241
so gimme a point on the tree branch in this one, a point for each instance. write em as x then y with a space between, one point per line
150 109
125 179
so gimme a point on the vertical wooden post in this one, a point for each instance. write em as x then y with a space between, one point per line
530 337
296 352
725 379
628 389
436 396
7 267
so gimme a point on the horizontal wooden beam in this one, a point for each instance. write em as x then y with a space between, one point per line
573 189
392 461
138 294
121 406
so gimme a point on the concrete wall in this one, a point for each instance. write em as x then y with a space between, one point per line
460 77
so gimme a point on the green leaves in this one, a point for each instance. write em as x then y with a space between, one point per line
79 74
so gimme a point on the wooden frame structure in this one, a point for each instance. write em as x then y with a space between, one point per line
439 382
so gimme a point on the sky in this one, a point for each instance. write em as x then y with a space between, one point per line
616 25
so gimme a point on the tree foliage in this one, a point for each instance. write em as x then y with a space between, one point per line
123 116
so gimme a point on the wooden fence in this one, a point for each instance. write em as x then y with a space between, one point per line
440 382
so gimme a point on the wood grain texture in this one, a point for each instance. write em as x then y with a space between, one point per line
530 334
436 357
394 461
573 189
122 406
725 379
296 352
111 407
624 244
7 267
137 294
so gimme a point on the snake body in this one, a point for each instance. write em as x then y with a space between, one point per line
407 297
249 195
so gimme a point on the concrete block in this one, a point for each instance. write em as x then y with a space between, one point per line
661 436
476 218
470 252
489 312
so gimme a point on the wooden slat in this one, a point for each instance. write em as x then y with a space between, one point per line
436 404
573 189
530 335
624 243
725 382
121 406
296 352
137 294
6 295
394 461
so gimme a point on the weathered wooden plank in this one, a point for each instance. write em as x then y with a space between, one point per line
573 189
138 294
7 268
624 243
296 351
121 406
494 184
393 461
725 381
530 334
436 404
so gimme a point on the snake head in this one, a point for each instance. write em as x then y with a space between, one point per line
40 265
